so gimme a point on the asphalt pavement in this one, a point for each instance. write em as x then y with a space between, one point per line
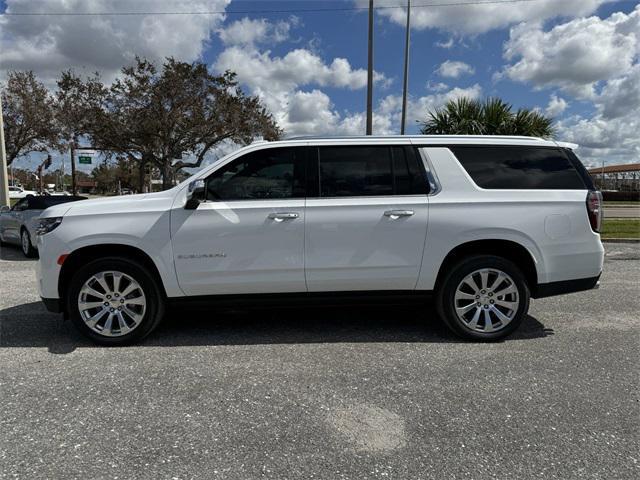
326 393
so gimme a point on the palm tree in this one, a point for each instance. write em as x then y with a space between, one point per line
494 116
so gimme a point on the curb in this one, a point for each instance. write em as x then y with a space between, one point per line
621 240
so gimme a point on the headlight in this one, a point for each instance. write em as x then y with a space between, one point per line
45 225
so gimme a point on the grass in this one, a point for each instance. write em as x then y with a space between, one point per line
621 228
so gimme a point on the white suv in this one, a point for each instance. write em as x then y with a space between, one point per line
483 223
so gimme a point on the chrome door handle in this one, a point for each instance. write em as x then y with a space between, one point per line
279 216
398 213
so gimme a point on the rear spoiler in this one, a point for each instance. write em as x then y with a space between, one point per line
570 146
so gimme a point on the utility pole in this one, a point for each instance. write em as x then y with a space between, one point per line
406 69
74 190
370 72
4 181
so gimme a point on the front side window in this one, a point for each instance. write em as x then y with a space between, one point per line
268 174
513 167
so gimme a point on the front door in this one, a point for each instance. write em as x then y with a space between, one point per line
248 236
366 228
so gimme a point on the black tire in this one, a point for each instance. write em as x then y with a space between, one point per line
446 303
155 301
27 250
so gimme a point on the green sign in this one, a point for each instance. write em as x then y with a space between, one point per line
84 160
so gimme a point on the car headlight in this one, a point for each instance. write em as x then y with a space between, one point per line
45 225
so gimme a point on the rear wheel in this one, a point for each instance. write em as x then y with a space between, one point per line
483 297
26 245
115 301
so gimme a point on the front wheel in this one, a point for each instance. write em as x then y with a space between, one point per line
115 301
483 297
25 243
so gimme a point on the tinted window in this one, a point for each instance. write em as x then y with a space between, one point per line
408 175
45 201
271 173
20 205
355 171
519 167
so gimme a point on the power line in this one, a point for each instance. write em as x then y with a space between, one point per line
265 12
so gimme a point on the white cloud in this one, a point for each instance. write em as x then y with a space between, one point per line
556 106
478 18
251 31
261 71
576 55
49 44
453 69
600 139
621 96
310 113
436 87
282 81
447 45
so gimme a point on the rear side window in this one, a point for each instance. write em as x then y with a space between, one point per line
506 167
360 171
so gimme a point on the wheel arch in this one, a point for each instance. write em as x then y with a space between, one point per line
508 249
83 255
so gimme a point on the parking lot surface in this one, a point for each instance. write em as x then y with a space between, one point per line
325 393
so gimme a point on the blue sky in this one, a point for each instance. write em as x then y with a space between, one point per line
576 60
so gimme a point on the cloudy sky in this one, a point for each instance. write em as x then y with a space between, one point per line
576 60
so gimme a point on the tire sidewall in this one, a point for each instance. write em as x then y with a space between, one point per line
446 303
30 253
155 301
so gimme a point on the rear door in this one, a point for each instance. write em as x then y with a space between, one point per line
248 236
366 218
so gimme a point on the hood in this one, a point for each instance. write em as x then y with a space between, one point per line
112 205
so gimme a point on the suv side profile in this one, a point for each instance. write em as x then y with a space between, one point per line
481 223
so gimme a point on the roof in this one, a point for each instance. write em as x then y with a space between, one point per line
627 167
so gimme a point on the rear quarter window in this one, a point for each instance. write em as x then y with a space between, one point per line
516 167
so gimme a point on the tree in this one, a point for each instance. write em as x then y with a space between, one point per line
121 172
494 116
29 124
170 118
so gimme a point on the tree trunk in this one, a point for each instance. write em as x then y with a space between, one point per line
167 176
141 174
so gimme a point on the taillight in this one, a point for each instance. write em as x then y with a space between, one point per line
594 209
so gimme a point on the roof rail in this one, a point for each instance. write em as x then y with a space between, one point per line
364 137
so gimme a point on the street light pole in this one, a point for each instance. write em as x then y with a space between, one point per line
406 69
4 181
370 72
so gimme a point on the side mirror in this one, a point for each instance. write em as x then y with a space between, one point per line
4 209
195 194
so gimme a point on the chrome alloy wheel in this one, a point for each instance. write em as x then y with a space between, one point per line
25 242
486 300
112 303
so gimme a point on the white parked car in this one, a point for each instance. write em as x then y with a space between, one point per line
19 192
482 223
18 223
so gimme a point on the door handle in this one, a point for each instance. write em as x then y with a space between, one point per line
280 216
398 213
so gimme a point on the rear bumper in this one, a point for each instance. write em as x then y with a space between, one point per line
52 304
565 286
